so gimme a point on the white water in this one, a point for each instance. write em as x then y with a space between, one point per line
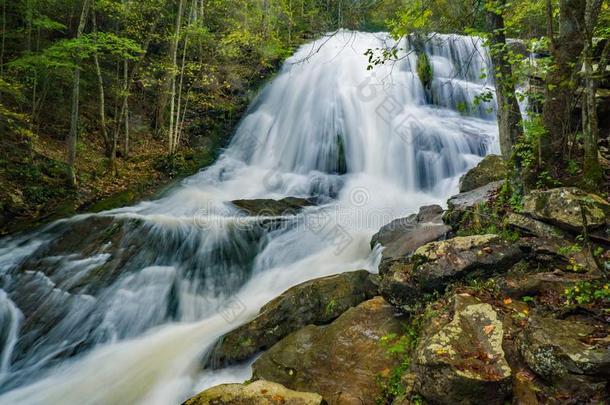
196 269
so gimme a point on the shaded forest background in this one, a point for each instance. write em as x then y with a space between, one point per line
102 102
161 84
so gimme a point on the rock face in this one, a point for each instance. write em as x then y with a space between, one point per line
569 208
273 208
466 205
402 237
316 302
339 361
555 348
256 393
435 265
462 361
491 168
532 227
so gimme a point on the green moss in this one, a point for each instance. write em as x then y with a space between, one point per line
424 69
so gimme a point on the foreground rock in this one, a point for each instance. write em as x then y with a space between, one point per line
491 168
402 237
339 361
273 208
569 208
466 208
316 302
533 227
556 348
436 265
258 392
461 360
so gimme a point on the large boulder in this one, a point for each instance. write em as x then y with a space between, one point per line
437 264
572 357
401 237
492 168
530 226
556 348
460 360
568 208
256 393
468 208
272 208
315 302
340 361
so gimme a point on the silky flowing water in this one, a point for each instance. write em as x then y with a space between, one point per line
121 307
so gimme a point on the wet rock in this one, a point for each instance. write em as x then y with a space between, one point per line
568 208
436 265
462 361
273 208
530 226
555 349
465 207
315 302
403 236
258 392
339 361
491 168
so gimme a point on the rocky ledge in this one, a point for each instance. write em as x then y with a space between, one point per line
482 303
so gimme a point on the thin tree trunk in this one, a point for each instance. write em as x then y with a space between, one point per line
3 45
73 135
174 55
126 100
102 93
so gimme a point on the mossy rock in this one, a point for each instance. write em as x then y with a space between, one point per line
256 393
492 168
568 208
460 359
436 265
317 302
340 361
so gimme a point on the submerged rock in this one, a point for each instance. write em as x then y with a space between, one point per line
258 392
403 236
436 265
491 168
316 302
462 361
273 208
339 361
568 207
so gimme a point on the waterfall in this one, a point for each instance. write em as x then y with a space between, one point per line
120 307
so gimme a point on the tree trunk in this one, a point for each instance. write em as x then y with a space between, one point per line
592 171
566 49
509 113
126 115
174 56
102 94
73 135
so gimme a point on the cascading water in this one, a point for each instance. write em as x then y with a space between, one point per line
120 307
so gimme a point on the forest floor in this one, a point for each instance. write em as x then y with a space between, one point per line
34 190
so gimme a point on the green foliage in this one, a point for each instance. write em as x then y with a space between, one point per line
400 347
588 293
424 69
